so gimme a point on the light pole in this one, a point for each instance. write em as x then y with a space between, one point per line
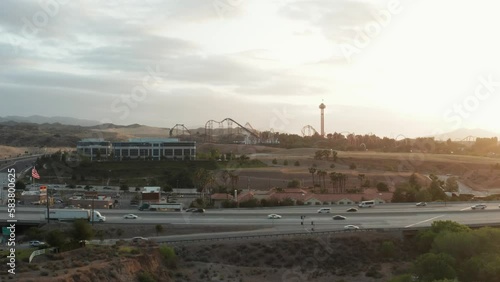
48 209
92 215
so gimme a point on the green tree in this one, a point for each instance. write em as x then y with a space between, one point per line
448 225
293 184
169 256
56 238
334 155
285 162
387 249
460 245
275 161
382 187
297 163
431 266
451 185
81 230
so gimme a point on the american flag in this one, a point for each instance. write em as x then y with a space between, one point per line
34 173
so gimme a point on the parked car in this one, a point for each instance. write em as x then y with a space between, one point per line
130 216
274 216
352 210
478 207
351 227
339 217
421 204
139 239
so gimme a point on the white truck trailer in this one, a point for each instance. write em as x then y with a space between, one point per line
74 214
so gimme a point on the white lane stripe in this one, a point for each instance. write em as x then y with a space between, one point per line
425 220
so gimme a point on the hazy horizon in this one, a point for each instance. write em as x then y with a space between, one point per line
384 67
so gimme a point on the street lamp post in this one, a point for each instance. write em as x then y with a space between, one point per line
92 215
48 209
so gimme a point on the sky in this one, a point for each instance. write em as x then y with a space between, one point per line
390 68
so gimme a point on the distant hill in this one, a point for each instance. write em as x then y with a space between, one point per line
56 119
24 134
462 133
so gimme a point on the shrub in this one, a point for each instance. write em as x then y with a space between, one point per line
145 277
169 256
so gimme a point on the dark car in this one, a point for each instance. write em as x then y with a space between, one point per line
352 210
199 210
339 217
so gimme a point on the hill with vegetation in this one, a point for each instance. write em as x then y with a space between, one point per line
447 251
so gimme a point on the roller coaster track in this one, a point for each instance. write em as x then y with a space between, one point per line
308 131
467 139
210 124
179 125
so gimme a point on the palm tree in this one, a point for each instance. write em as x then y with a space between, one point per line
312 171
343 181
322 174
334 179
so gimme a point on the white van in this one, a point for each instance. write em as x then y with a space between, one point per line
366 204
324 210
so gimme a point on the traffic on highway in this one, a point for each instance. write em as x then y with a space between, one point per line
295 218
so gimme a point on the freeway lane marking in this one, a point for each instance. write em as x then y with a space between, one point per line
425 220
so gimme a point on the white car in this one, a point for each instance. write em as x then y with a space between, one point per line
130 216
478 207
351 227
139 239
274 216
324 210
421 204
36 243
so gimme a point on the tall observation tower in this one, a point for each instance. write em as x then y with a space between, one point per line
322 107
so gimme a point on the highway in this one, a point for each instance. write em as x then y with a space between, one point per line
381 216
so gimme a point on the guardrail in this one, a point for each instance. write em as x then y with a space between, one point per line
249 237
40 252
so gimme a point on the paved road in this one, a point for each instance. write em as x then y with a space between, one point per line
381 216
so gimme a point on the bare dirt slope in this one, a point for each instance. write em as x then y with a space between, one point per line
357 256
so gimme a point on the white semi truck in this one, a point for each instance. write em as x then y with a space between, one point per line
74 214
